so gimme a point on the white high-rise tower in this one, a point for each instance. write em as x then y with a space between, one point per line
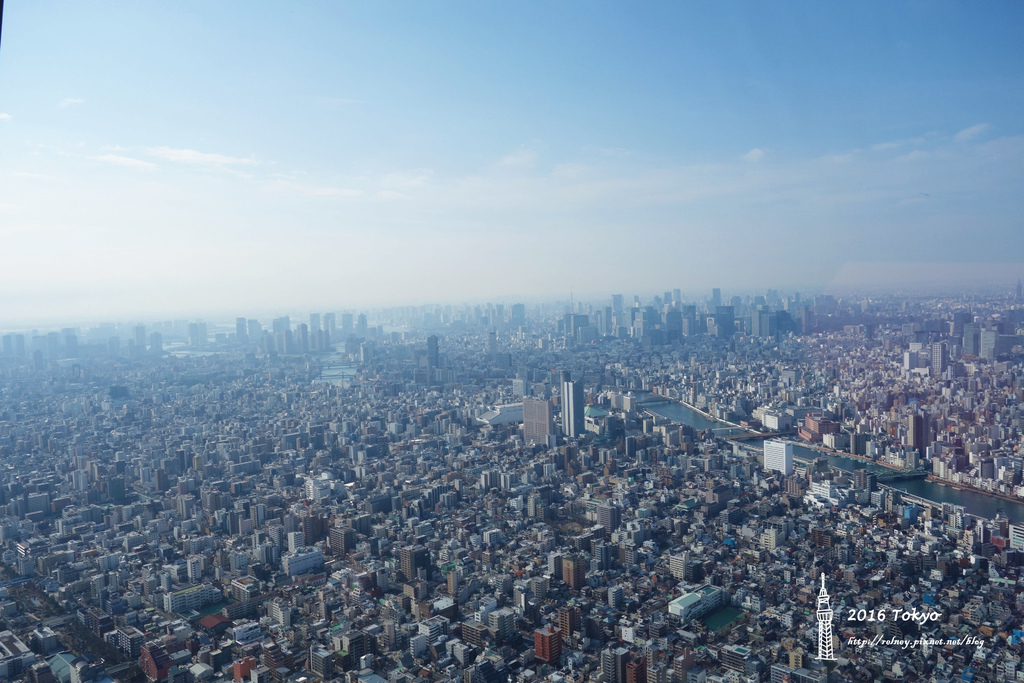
824 624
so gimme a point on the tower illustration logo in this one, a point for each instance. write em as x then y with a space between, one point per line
825 652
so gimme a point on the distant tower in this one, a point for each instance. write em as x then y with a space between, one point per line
432 355
824 624
1020 290
573 422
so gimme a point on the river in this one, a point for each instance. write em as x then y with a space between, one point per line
974 502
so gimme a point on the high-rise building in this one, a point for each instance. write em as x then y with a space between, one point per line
547 644
716 298
940 359
613 664
569 620
725 321
778 456
432 354
574 571
915 432
987 343
411 559
636 670
241 331
140 339
538 420
573 425
609 516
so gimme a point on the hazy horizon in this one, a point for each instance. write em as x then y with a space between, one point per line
206 158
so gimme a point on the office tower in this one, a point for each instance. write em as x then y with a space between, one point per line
538 420
574 571
915 432
609 516
52 341
361 325
140 339
677 295
346 324
613 664
987 343
616 596
864 479
616 303
725 321
281 325
412 558
156 344
492 344
636 670
432 354
70 344
547 644
716 298
778 456
971 338
255 331
314 322
518 315
573 425
570 619
331 324
910 360
241 331
940 359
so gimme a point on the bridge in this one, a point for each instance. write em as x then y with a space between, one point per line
905 475
15 582
751 436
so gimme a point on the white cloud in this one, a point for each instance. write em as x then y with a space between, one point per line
391 194
755 155
119 160
886 146
4 116
417 178
333 192
968 134
69 101
522 158
191 156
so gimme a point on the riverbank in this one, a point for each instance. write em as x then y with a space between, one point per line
851 456
709 417
956 486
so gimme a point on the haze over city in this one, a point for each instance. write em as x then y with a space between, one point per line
519 342
202 158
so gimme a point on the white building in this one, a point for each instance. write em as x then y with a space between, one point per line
778 456
192 598
246 632
503 415
302 561
699 604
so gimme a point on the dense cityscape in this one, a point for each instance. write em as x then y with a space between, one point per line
647 490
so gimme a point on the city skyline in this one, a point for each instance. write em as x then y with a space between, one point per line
207 159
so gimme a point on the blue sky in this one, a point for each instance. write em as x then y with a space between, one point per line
197 157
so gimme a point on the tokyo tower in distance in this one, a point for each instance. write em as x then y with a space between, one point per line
824 624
